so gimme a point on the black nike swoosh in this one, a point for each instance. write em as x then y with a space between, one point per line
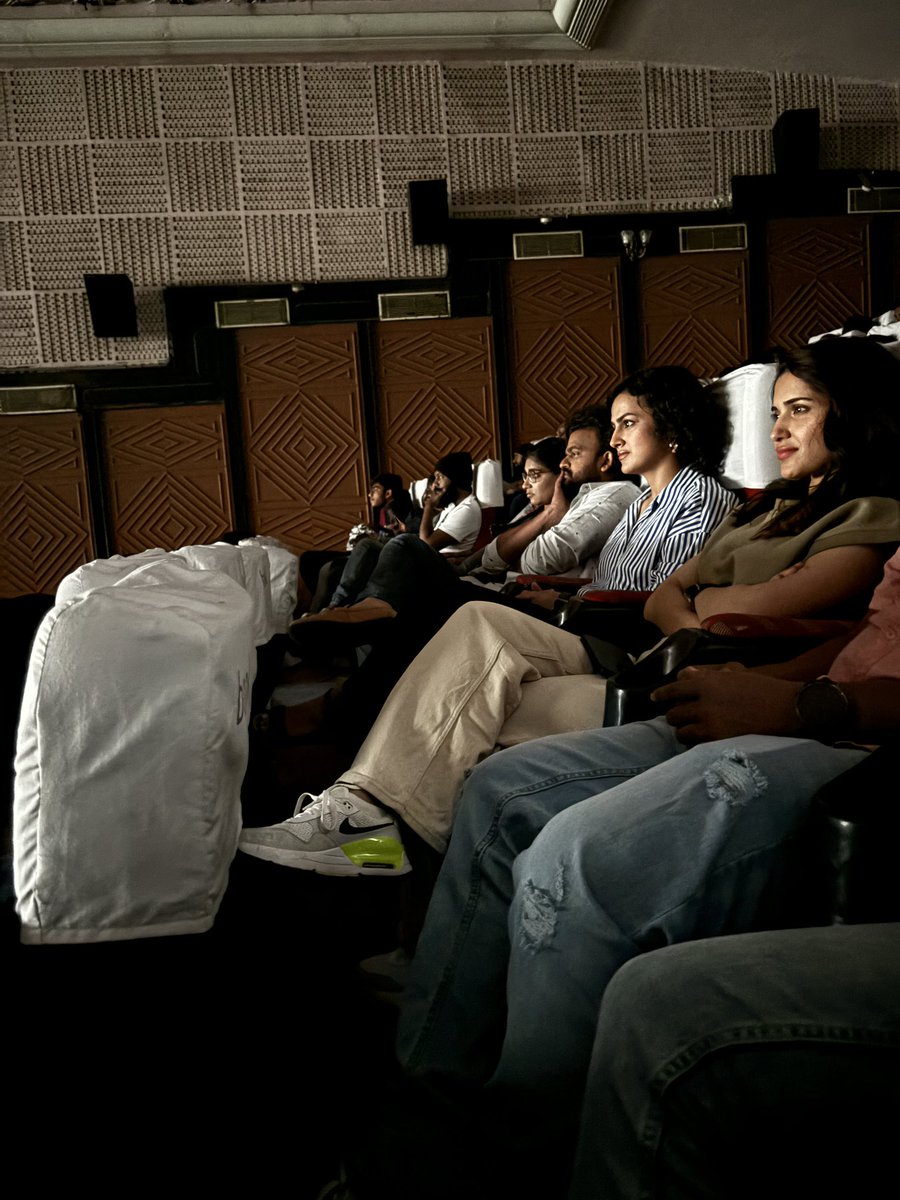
348 830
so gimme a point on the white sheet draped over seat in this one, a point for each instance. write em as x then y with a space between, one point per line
132 741
132 747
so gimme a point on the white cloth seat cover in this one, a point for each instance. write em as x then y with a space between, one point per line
103 572
284 579
751 461
132 746
247 565
488 483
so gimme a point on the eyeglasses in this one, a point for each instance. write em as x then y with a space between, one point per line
532 476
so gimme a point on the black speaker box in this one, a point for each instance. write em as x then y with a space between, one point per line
429 212
111 301
795 141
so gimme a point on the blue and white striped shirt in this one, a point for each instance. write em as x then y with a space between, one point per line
647 547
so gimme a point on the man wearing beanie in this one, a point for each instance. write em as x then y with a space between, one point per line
451 516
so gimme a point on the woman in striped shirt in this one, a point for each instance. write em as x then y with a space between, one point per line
671 430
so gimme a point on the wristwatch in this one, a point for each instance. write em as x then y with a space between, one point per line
823 709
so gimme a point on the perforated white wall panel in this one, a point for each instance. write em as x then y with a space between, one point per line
290 172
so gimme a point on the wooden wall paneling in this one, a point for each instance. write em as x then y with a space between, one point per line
45 522
818 271
301 403
694 311
167 476
436 392
565 339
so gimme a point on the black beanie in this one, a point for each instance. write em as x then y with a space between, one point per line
457 466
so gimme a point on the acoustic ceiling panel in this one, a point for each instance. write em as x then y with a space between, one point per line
741 98
477 98
344 173
340 100
280 246
130 177
121 103
543 97
56 180
680 167
406 261
274 174
793 90
548 172
408 98
268 101
610 97
405 159
208 173
615 169
195 102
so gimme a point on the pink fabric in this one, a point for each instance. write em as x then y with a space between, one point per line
875 651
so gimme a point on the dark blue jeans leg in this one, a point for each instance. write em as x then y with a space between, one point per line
409 574
357 570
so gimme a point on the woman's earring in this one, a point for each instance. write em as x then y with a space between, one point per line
673 446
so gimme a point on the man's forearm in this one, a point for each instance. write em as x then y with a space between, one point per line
511 543
426 524
670 609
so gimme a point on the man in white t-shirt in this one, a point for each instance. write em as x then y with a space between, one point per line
451 516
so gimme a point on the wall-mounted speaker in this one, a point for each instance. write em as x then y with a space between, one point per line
795 141
429 211
111 301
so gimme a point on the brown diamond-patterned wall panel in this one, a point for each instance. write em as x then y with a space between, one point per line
167 476
435 393
565 340
694 310
303 433
818 275
45 524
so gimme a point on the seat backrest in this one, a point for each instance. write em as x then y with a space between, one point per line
487 483
132 746
751 462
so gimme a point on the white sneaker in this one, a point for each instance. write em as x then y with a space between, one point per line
337 833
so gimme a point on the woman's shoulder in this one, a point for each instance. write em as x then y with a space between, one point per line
864 518
690 483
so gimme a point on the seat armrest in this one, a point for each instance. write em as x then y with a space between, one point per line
742 625
559 583
621 598
854 825
622 624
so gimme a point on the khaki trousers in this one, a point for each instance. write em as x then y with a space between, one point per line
492 676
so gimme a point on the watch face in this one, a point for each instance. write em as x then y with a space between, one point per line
822 708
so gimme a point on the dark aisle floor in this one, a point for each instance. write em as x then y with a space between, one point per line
236 1058
241 1056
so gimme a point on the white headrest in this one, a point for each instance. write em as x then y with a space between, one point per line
751 461
488 483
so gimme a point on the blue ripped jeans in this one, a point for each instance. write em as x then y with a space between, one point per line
572 854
